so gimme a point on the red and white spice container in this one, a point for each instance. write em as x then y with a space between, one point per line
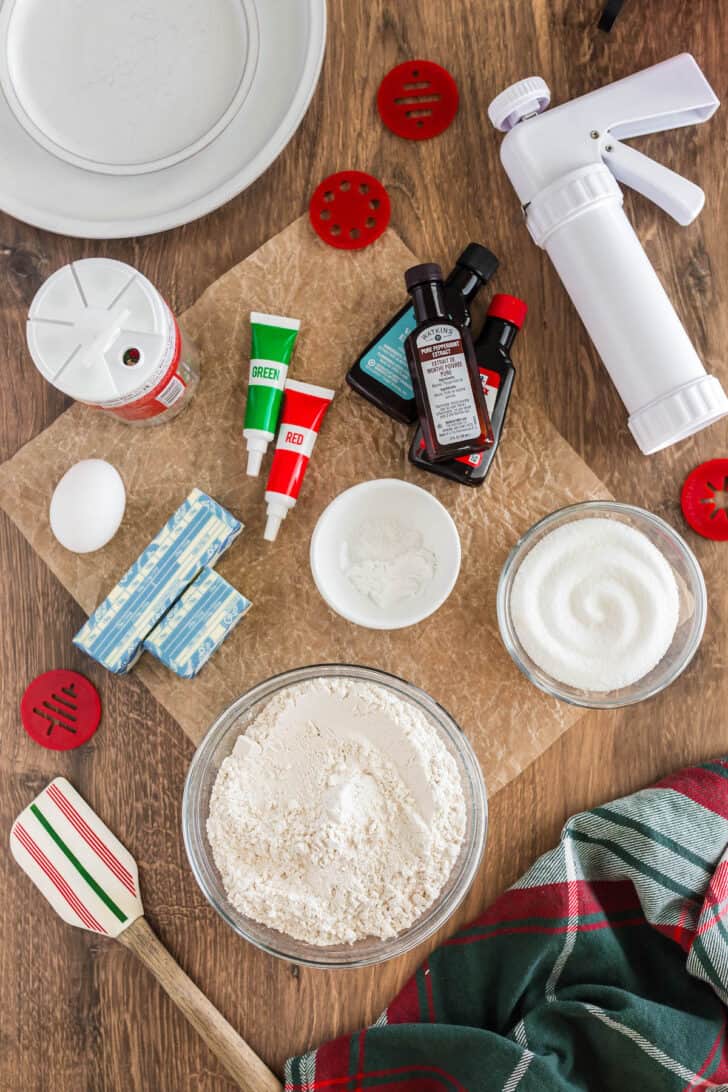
99 331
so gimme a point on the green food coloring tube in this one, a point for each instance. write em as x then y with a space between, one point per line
272 341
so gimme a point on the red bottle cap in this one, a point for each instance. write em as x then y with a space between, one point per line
418 100
704 511
60 710
349 209
509 308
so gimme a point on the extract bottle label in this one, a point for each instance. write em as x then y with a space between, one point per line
447 381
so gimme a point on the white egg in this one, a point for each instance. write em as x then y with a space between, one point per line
87 506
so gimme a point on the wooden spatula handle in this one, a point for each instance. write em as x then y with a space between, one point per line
241 1063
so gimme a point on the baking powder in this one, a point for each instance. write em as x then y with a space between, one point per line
339 814
387 561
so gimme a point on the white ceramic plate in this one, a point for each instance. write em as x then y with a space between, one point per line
349 517
121 119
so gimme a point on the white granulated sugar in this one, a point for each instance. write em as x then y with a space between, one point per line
595 604
339 814
388 561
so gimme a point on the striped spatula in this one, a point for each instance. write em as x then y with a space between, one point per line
92 882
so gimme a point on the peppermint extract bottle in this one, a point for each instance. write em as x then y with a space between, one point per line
505 317
444 370
381 374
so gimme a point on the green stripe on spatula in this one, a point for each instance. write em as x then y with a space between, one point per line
63 846
96 887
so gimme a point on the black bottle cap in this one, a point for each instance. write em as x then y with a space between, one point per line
479 260
422 274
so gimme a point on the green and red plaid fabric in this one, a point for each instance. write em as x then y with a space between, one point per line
604 968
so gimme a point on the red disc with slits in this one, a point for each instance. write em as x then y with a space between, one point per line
704 499
418 100
349 209
60 710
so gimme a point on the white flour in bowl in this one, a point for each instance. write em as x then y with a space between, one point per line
339 814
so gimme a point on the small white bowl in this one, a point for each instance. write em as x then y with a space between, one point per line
339 526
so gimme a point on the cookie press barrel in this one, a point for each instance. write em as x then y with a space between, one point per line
565 166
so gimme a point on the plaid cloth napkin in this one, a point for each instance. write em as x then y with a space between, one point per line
604 968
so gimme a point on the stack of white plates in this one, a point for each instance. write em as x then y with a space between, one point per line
125 117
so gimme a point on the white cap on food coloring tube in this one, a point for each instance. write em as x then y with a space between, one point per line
97 329
277 512
257 447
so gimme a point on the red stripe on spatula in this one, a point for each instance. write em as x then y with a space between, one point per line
56 878
91 839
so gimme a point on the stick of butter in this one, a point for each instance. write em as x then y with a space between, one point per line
196 535
197 624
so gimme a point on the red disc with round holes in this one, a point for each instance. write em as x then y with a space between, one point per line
418 100
704 499
60 710
349 209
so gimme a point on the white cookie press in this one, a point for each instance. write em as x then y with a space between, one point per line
565 165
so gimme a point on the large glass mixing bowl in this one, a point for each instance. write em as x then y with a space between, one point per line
217 745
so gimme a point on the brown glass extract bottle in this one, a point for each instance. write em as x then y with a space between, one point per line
505 318
444 372
381 374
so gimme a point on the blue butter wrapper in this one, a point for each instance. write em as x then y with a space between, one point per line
195 536
197 624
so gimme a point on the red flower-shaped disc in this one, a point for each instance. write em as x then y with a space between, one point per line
418 100
349 209
704 499
60 710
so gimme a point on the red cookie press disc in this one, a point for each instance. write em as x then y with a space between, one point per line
349 209
704 499
60 710
418 100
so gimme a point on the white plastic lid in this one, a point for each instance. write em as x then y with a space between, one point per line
520 100
277 512
679 414
90 316
255 460
272 527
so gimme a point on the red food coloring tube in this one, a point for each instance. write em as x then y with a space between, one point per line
304 407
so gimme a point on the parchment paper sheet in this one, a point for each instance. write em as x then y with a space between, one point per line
342 299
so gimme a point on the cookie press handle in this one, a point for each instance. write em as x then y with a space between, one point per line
677 196
243 1065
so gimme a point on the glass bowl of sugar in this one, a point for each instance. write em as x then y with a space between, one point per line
601 604
335 816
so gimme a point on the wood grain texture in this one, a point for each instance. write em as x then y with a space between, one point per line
79 1013
245 1067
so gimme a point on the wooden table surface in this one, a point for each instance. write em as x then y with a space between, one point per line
77 1012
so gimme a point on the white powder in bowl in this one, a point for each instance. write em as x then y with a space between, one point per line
388 561
339 814
595 604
